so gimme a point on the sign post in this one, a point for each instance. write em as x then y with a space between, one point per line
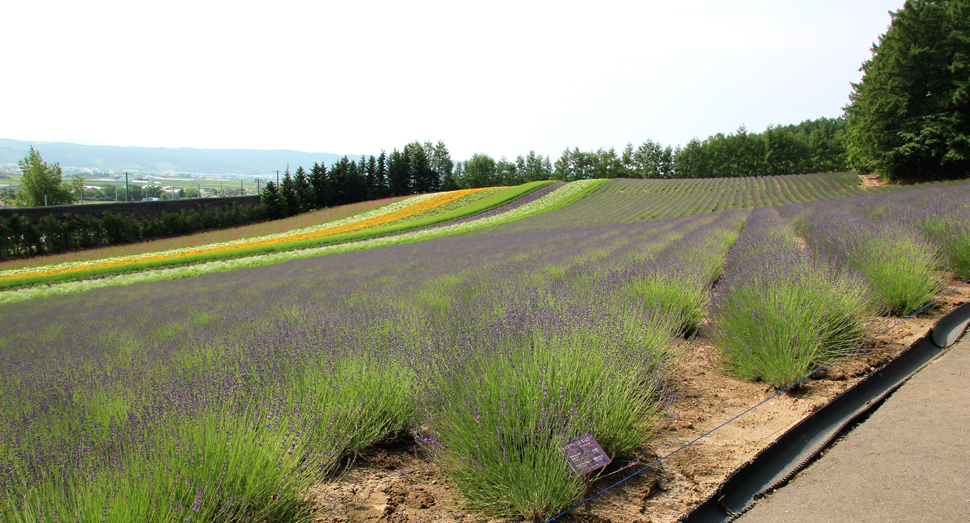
584 454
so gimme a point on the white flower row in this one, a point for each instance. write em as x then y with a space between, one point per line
538 206
374 213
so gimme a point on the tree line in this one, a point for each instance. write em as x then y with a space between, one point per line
811 146
19 237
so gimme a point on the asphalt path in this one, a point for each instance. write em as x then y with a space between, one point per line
910 461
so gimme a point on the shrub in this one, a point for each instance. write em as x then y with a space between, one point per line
780 312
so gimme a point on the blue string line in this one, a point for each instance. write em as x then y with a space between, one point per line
695 440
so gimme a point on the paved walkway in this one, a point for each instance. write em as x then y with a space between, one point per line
910 461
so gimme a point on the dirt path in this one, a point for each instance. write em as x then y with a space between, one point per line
395 483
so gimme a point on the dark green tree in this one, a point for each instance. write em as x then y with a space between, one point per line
370 177
534 167
507 173
289 194
339 176
687 160
357 182
304 189
271 199
421 175
480 171
441 164
399 173
321 185
909 117
383 191
41 183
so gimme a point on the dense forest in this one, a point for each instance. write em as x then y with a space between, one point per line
811 146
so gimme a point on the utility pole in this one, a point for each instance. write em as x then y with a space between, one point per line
127 192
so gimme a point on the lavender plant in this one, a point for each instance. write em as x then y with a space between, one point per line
901 264
780 311
500 413
680 277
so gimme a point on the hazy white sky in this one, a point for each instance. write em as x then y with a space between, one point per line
353 77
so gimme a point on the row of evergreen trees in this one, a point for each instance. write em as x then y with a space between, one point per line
811 146
417 169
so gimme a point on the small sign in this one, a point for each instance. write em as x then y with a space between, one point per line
584 454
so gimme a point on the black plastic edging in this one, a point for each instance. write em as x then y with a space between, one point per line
794 449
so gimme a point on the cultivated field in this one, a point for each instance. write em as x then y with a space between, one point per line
435 374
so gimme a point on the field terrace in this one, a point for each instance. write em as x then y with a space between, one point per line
230 396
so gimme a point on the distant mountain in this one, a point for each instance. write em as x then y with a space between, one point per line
163 159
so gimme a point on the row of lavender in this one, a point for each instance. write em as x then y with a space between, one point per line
207 400
802 279
899 242
624 200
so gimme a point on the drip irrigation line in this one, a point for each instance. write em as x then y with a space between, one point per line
776 394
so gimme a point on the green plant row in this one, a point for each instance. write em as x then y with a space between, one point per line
20 237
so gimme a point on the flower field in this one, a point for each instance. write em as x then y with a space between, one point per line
628 200
273 227
395 217
489 343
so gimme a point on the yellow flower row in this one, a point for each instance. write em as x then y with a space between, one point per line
383 219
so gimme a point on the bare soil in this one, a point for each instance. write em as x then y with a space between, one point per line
395 482
873 180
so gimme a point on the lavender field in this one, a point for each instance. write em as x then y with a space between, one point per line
225 396
628 200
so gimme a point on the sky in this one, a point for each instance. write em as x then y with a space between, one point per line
499 77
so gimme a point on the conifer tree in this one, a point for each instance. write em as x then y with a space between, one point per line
304 189
399 173
321 185
382 188
909 117
270 198
289 195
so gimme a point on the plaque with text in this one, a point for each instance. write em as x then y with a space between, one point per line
584 454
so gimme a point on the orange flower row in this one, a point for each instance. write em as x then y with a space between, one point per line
384 219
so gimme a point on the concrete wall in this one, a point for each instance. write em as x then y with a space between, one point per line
35 214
